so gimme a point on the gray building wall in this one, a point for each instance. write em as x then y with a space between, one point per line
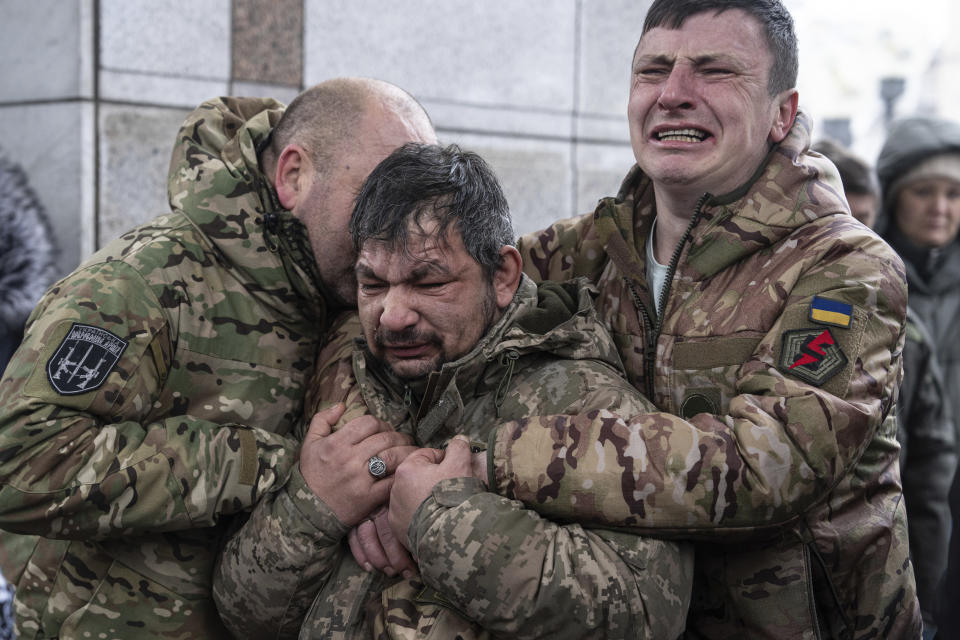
93 91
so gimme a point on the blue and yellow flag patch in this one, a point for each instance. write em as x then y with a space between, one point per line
831 312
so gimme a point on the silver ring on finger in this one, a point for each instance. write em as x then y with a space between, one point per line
377 467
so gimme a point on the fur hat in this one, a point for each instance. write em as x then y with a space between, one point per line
942 165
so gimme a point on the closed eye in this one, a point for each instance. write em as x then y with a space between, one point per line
717 71
652 72
369 288
432 284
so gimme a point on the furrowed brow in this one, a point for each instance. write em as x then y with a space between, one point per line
427 269
363 271
712 58
658 59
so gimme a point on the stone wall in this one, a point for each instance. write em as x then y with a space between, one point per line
93 91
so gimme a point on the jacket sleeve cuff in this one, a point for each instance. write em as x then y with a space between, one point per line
312 510
445 494
498 458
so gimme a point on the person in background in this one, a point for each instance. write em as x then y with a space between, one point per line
6 610
27 255
156 387
919 172
860 184
928 457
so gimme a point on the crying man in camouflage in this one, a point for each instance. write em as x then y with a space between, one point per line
766 325
455 340
156 386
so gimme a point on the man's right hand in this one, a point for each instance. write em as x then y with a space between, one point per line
334 465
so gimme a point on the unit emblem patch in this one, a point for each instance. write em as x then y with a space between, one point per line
812 355
83 360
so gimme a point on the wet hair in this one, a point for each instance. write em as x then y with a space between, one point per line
855 174
418 183
776 20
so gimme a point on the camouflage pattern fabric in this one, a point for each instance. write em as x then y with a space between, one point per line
488 566
152 394
785 469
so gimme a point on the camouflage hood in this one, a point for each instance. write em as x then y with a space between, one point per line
790 188
215 179
556 318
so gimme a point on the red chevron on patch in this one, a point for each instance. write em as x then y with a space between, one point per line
818 354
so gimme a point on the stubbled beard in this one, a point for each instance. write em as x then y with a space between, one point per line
383 337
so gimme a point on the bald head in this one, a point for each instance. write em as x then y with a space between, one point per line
326 144
325 116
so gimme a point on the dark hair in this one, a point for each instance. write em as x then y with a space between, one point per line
855 174
776 20
420 182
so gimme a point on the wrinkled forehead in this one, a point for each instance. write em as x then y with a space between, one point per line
422 249
710 33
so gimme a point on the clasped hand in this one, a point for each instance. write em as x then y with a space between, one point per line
381 542
335 467
334 464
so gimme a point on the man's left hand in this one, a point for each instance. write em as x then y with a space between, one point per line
416 477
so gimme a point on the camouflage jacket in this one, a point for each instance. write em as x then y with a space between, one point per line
775 366
488 567
151 396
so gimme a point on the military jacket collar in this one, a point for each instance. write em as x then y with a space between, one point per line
553 317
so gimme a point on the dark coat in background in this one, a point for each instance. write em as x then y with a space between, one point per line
27 253
927 460
933 280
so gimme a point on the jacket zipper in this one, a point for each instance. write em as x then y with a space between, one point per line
649 347
651 328
808 570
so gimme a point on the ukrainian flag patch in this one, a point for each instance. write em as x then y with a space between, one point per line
831 312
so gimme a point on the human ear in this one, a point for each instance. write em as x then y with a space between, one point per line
291 170
786 105
507 277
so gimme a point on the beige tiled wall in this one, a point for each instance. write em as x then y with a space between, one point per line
96 90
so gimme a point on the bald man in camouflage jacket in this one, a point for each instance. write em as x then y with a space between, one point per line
156 384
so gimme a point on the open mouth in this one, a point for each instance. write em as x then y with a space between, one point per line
682 135
406 351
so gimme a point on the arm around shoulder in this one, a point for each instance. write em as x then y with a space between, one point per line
89 444
781 441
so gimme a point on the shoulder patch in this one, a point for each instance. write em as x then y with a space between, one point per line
83 360
831 312
812 355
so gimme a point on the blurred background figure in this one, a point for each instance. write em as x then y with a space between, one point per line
925 428
6 610
919 171
859 181
27 255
